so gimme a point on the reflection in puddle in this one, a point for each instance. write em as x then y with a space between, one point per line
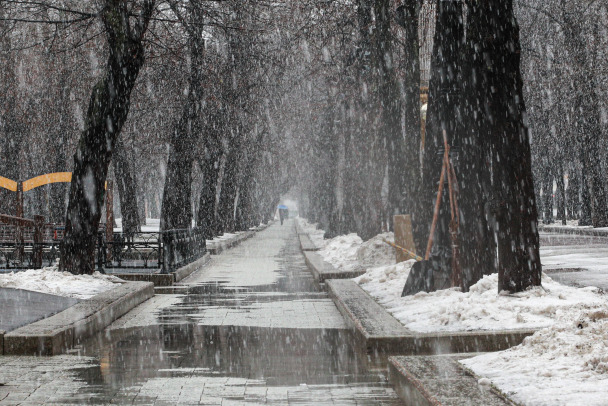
283 342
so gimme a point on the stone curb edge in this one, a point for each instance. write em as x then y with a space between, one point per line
306 243
409 389
440 380
323 271
577 231
62 331
232 242
187 270
426 343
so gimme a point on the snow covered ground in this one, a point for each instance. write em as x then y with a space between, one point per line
564 363
482 308
50 280
559 365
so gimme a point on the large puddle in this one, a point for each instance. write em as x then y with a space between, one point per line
277 343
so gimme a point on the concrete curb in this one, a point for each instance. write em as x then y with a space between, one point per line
187 270
439 380
56 334
158 279
570 230
165 279
323 271
217 248
306 243
377 330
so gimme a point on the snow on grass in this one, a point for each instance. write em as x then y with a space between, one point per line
559 365
482 308
50 280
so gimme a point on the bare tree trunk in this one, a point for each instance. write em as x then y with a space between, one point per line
443 120
127 189
108 110
561 191
476 238
587 124
516 221
176 209
407 15
390 102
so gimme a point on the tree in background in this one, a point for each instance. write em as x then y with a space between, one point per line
108 110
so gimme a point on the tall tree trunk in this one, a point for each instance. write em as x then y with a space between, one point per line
585 198
478 250
547 197
407 16
443 119
108 110
176 209
561 191
391 111
516 221
587 122
572 193
207 209
127 189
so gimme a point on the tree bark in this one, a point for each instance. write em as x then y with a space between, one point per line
176 209
407 17
443 118
587 123
127 189
478 251
107 112
514 203
390 105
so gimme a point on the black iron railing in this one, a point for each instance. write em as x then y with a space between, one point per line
165 251
156 251
181 247
24 255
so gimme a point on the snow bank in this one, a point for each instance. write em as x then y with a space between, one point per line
341 251
559 365
375 252
349 252
50 280
482 308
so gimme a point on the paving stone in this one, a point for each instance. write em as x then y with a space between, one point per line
249 328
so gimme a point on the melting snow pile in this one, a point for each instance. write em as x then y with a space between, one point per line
50 280
316 235
349 252
375 252
482 308
566 364
341 251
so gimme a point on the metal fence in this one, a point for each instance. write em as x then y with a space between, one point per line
165 251
22 247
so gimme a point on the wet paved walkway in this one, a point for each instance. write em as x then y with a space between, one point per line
253 329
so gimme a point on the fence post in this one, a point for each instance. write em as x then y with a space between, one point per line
168 254
38 240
